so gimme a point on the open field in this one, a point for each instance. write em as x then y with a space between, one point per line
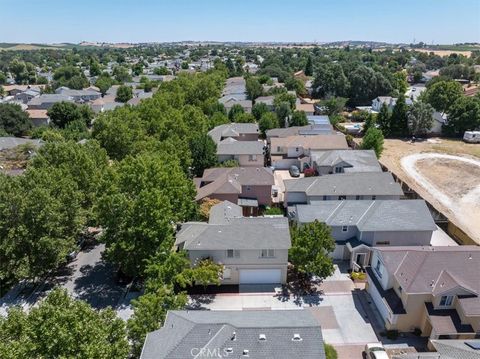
444 172
446 52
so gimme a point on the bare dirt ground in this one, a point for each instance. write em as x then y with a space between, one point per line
444 172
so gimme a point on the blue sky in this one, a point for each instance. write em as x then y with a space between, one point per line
50 21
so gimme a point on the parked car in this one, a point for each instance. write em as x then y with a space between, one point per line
294 171
471 136
375 351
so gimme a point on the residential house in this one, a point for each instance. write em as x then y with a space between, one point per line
296 150
308 108
344 161
267 100
45 101
309 130
378 102
27 95
249 187
239 142
262 334
13 90
79 95
439 119
229 101
342 186
358 225
253 250
447 349
39 117
434 289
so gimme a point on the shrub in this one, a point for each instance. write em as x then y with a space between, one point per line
273 211
330 352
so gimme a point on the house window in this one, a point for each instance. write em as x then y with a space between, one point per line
233 253
268 253
325 198
279 149
378 268
227 273
338 169
383 243
344 228
296 149
446 300
342 198
252 157
358 197
374 198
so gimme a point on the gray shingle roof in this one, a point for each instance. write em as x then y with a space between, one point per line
49 98
232 130
230 146
184 330
221 213
12 142
384 215
237 233
359 160
348 184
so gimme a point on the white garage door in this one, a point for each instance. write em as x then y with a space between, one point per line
257 276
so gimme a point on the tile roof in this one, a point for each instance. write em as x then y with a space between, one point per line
237 331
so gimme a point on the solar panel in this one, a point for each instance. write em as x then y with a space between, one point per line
474 344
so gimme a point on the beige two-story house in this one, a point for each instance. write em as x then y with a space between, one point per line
432 289
251 250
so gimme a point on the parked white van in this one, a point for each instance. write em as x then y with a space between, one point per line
471 136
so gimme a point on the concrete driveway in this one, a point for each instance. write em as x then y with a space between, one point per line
279 176
337 307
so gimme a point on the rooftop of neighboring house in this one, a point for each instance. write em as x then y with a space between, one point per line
231 180
315 142
437 270
9 88
233 99
49 98
301 130
356 160
369 216
306 107
37 114
280 334
318 120
348 184
232 130
12 142
75 93
222 212
230 146
233 232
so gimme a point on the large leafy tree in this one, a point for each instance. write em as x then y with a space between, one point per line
463 115
259 109
420 118
61 327
443 94
63 113
254 88
141 200
71 77
124 93
299 118
311 245
268 121
384 120
40 219
373 140
13 120
204 153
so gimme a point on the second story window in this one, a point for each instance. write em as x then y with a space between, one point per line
446 300
267 253
344 228
252 157
233 253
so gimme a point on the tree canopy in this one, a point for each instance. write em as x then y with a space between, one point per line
13 120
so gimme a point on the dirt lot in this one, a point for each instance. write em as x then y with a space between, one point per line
444 172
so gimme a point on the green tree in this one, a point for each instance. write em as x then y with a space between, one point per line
334 105
420 118
309 67
463 115
330 352
443 94
235 110
13 120
62 113
369 122
384 120
254 88
71 77
244 118
259 109
399 119
61 327
104 83
204 153
121 74
161 71
311 245
124 93
299 118
400 84
268 121
283 112
141 199
373 140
